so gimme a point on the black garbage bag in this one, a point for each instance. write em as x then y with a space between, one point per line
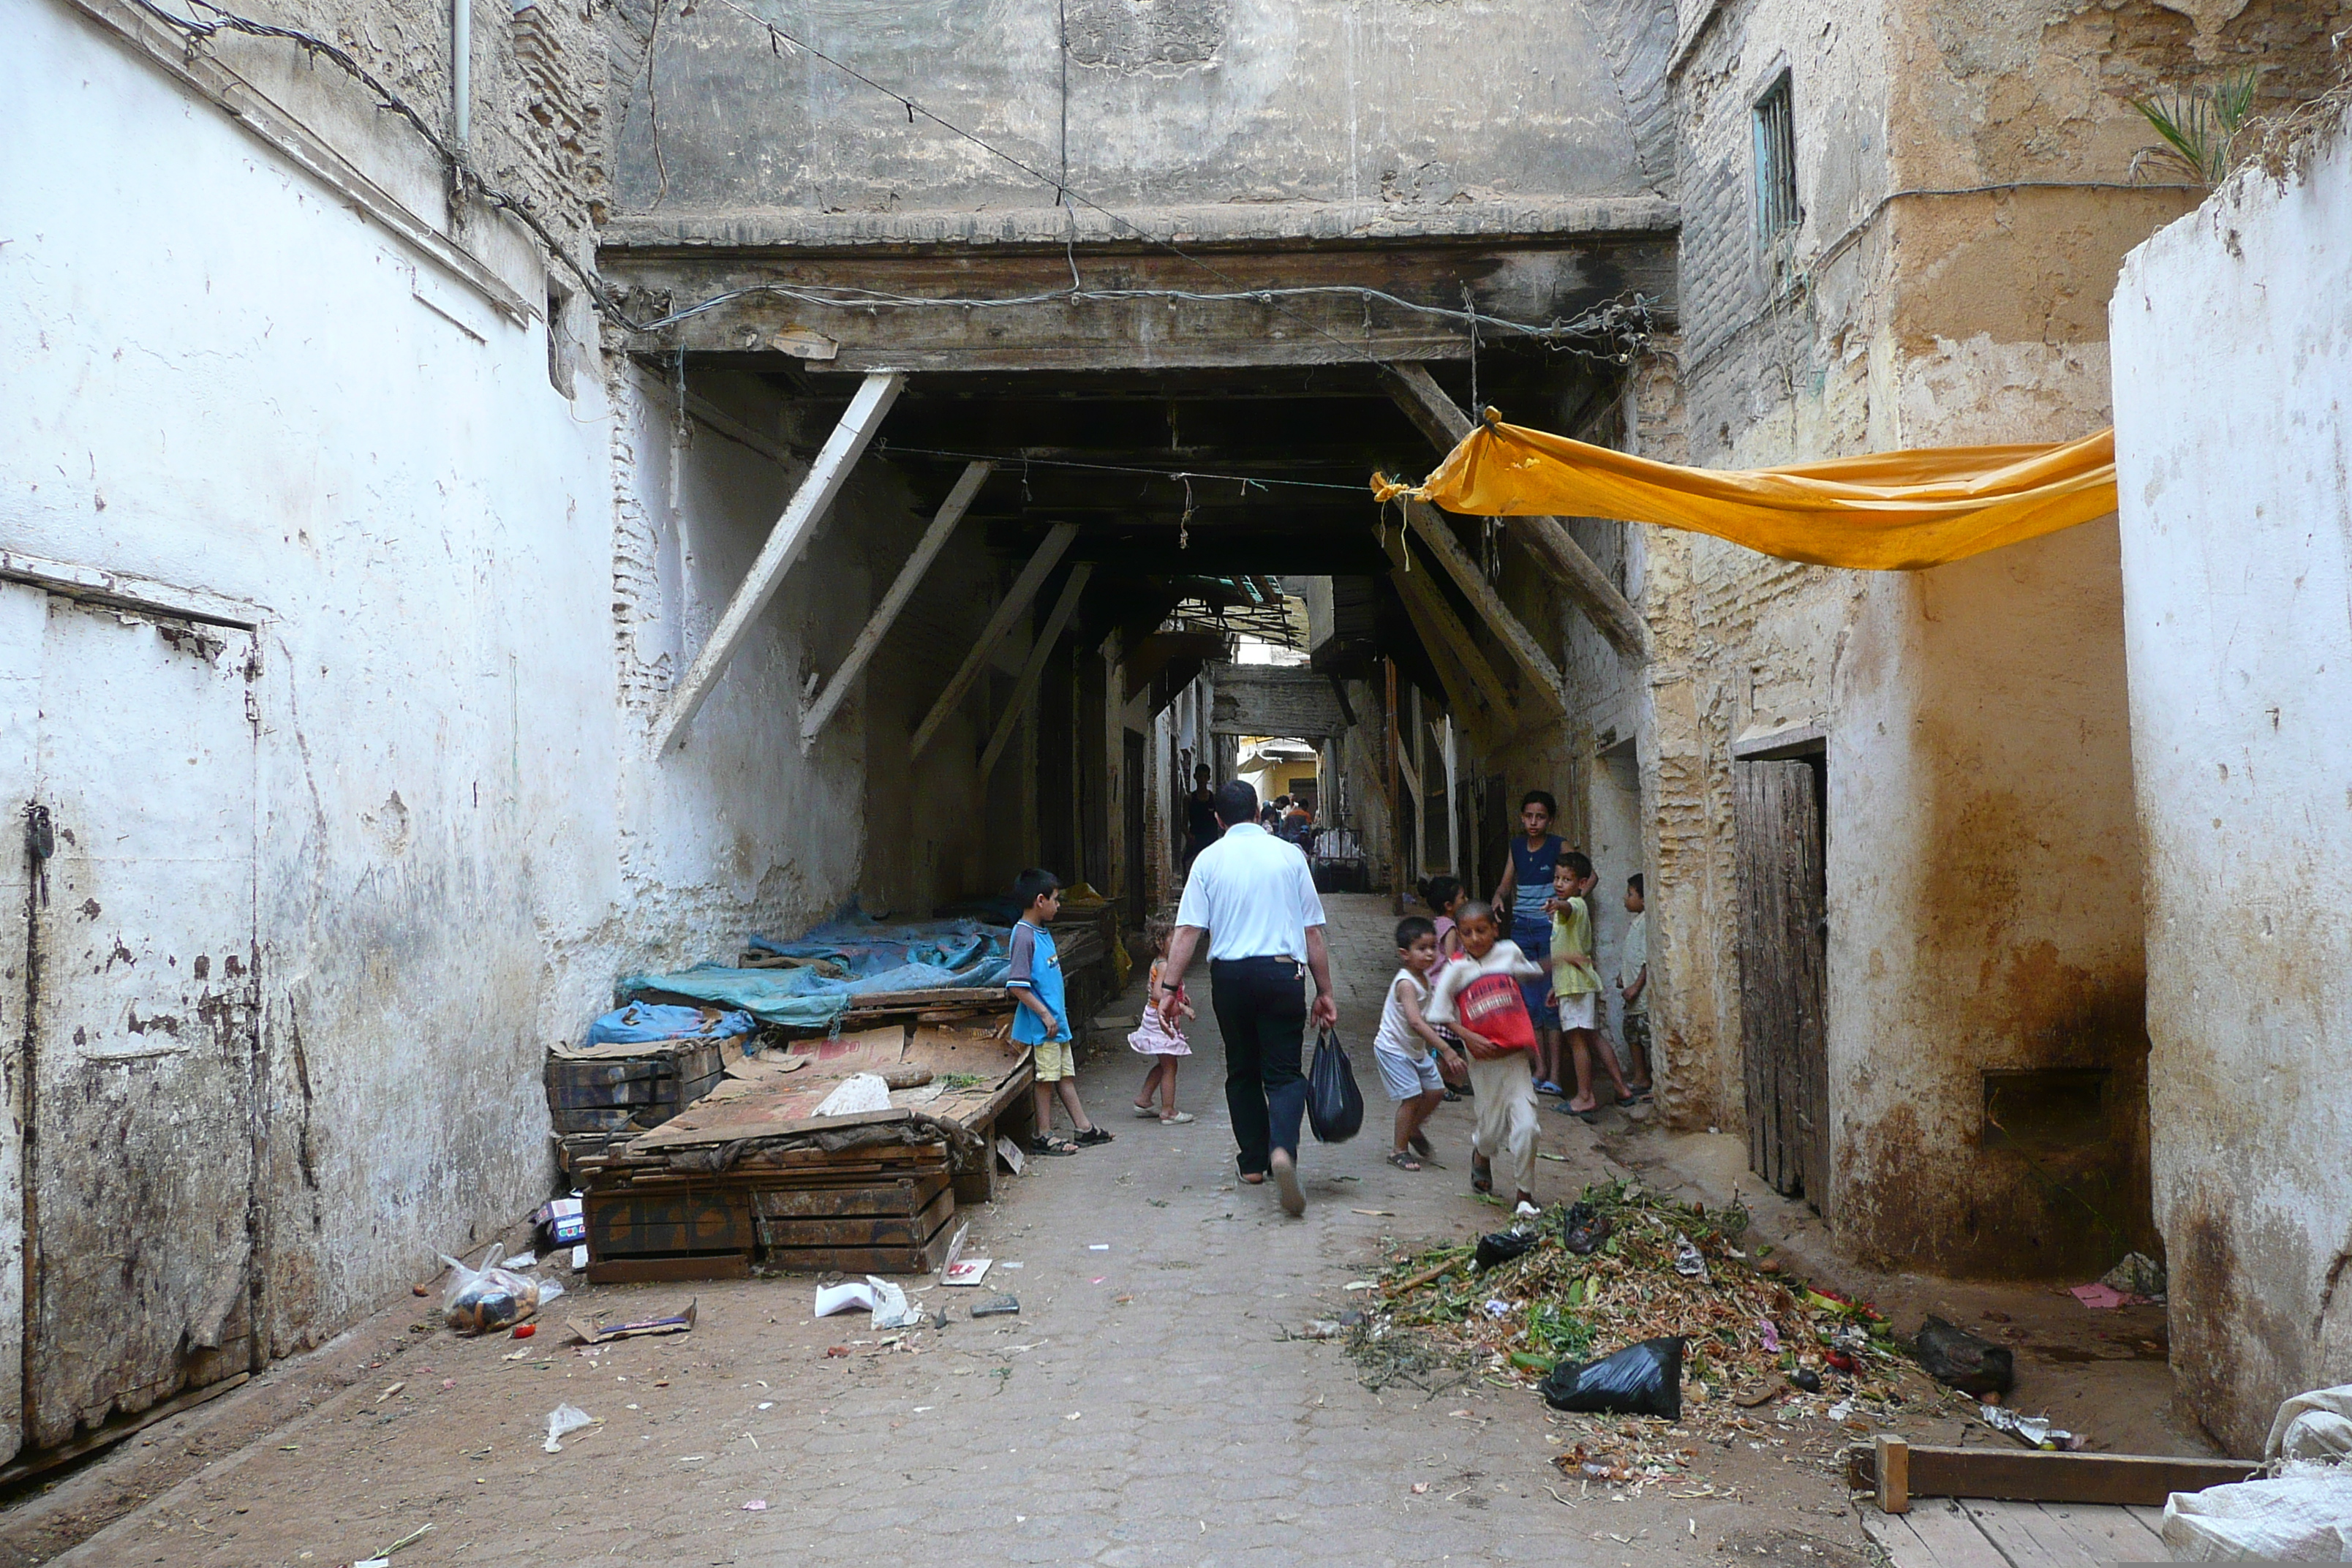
1581 1230
1500 1246
1960 1359
1335 1106
1640 1380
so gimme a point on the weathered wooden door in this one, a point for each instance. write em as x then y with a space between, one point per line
139 1056
1783 960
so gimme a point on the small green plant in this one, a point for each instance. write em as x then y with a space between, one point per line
2199 128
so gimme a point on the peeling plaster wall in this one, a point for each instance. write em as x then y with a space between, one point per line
1168 102
474 592
2233 364
1983 871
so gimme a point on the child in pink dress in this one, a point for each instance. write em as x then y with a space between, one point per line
1156 1039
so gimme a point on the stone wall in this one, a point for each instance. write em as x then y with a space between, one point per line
2237 569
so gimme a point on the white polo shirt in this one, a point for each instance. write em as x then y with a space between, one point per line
1253 894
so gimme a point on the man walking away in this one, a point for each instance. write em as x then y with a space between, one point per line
1255 898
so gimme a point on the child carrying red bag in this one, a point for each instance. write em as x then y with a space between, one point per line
1479 999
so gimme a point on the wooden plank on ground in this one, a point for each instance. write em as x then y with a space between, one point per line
2030 1475
2025 1535
2108 1534
1949 1538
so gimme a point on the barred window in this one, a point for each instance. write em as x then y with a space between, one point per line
1776 160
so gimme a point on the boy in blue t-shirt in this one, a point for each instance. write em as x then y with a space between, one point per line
1042 1019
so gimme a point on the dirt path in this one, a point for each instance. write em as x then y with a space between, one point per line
1147 1406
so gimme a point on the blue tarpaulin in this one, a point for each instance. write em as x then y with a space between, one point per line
647 1021
876 957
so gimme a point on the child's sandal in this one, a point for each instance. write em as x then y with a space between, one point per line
1402 1160
1178 1120
1092 1136
1052 1146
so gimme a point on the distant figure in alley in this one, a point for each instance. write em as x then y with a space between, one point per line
1253 896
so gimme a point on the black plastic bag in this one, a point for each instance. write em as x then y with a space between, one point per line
1640 1380
1501 1246
1959 1359
1581 1230
1335 1106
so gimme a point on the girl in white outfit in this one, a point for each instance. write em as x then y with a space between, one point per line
1477 995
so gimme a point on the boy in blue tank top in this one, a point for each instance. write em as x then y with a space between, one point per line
1042 1018
1523 893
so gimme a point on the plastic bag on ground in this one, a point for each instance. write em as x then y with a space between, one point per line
1640 1380
1335 1106
562 1419
2295 1519
482 1300
1957 1358
1501 1246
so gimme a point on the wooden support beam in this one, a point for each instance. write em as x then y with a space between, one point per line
1016 605
1438 534
1547 538
1039 651
791 535
1898 1471
1461 690
910 576
1426 604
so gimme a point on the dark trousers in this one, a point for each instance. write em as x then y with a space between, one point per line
1261 1008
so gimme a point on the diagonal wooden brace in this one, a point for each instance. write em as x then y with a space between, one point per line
1039 651
886 614
1016 605
1430 524
1547 538
791 535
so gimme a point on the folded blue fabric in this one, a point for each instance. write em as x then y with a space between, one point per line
646 1022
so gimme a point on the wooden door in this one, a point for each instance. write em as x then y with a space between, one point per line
1130 804
138 1162
1783 941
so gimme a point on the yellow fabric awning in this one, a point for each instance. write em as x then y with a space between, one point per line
1890 512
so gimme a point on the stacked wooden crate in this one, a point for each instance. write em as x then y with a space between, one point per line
752 1177
600 1097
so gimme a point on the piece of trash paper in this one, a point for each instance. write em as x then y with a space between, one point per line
959 1269
841 1298
563 1419
599 1334
858 1094
891 1308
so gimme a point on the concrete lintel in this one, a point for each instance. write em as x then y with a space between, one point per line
1238 223
1790 740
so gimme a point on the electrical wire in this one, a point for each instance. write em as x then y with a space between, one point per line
1177 475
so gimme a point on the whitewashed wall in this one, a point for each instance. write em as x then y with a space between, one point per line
2233 334
220 378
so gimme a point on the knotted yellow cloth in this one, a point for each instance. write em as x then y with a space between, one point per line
1890 512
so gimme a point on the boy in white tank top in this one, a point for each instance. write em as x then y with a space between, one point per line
1408 1048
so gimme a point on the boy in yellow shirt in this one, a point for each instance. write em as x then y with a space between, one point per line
1575 985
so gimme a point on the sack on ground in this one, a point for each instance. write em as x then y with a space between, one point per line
1640 1380
1335 1106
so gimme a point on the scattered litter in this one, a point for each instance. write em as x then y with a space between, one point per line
1012 1266
525 1330
2034 1431
1376 1213
2101 1298
1098 1247
757 1505
1358 1285
388 1393
599 1334
1320 1329
1526 1210
841 1298
520 1260
562 1420
1689 1262
2302 1513
560 1222
2139 1277
1842 1410
966 1271
1805 1380
1955 1357
1010 1153
997 1306
579 1258
890 1308
1498 1309
485 1300
1583 1229
859 1094
1771 1333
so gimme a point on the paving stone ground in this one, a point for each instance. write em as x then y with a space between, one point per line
1147 1406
